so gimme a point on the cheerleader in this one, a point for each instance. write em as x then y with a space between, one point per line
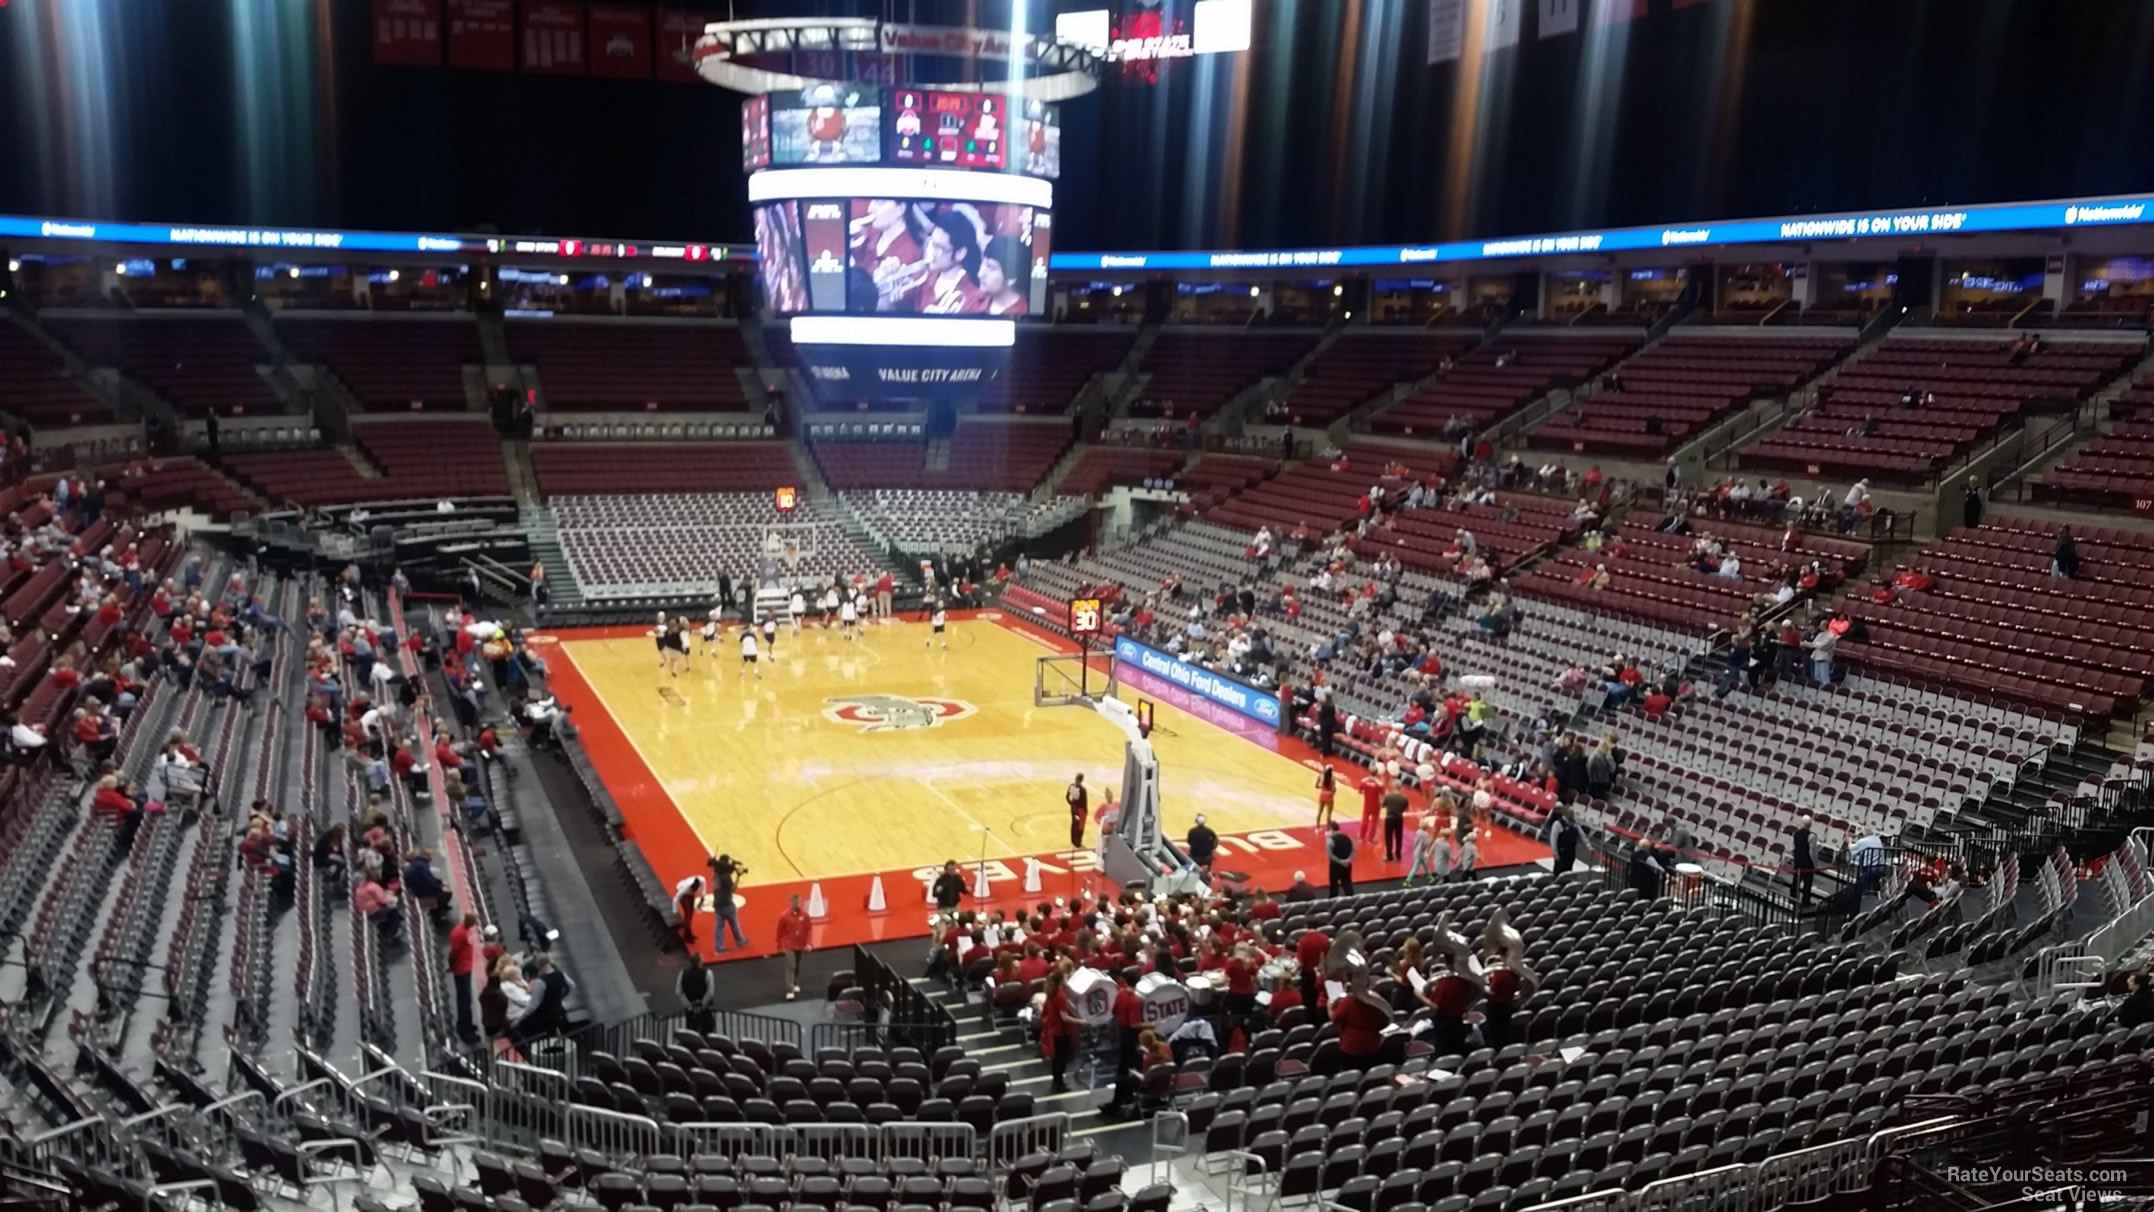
1327 789
848 618
749 657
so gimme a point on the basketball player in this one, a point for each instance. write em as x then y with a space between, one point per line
770 634
830 605
849 619
749 657
796 608
710 631
669 651
936 622
660 634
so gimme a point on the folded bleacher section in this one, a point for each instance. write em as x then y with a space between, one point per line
1501 376
1361 365
34 385
198 363
1683 386
1981 387
1995 622
1198 372
648 366
398 364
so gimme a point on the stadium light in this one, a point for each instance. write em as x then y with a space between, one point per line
1255 292
120 269
1117 292
293 272
13 265
1337 290
393 275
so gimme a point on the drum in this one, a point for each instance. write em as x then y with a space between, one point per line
1091 996
1689 883
1203 988
1166 1003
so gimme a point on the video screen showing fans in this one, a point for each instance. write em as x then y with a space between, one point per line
826 124
945 258
780 262
968 130
755 133
1039 140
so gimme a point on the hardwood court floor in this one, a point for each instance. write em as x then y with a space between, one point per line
828 776
854 758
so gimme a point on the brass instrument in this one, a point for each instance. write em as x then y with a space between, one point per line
1504 947
1457 952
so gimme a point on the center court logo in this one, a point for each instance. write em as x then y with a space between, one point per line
894 712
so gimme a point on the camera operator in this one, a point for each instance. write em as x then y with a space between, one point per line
724 873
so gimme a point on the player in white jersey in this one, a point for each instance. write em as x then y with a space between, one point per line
936 622
749 658
849 619
830 607
711 631
770 635
796 608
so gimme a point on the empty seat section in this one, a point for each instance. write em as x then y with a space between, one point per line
994 456
1661 398
654 365
2114 471
1049 366
1491 382
1362 365
399 364
201 364
1197 372
1963 393
601 468
1102 467
34 384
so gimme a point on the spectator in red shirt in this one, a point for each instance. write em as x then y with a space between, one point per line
1262 908
1361 1018
1372 794
463 955
1309 952
1034 966
1283 999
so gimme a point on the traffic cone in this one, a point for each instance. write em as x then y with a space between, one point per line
979 881
1032 875
817 906
876 903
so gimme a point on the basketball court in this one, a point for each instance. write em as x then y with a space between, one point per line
850 764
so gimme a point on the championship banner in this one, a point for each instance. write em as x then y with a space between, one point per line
677 34
1504 20
1559 17
1447 30
407 33
553 38
620 42
482 34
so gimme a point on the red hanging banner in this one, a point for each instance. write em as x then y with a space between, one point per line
677 34
553 38
482 34
407 33
620 42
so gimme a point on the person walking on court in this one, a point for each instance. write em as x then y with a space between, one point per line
1327 790
1080 807
1430 853
1394 824
1469 853
685 895
793 929
724 871
1339 848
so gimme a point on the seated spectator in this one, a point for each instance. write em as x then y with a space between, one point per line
380 906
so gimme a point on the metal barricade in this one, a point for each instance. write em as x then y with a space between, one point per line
612 1133
1170 1139
525 1104
1719 1190
734 1141
929 1143
831 1142
1813 1173
1015 1138
455 1106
